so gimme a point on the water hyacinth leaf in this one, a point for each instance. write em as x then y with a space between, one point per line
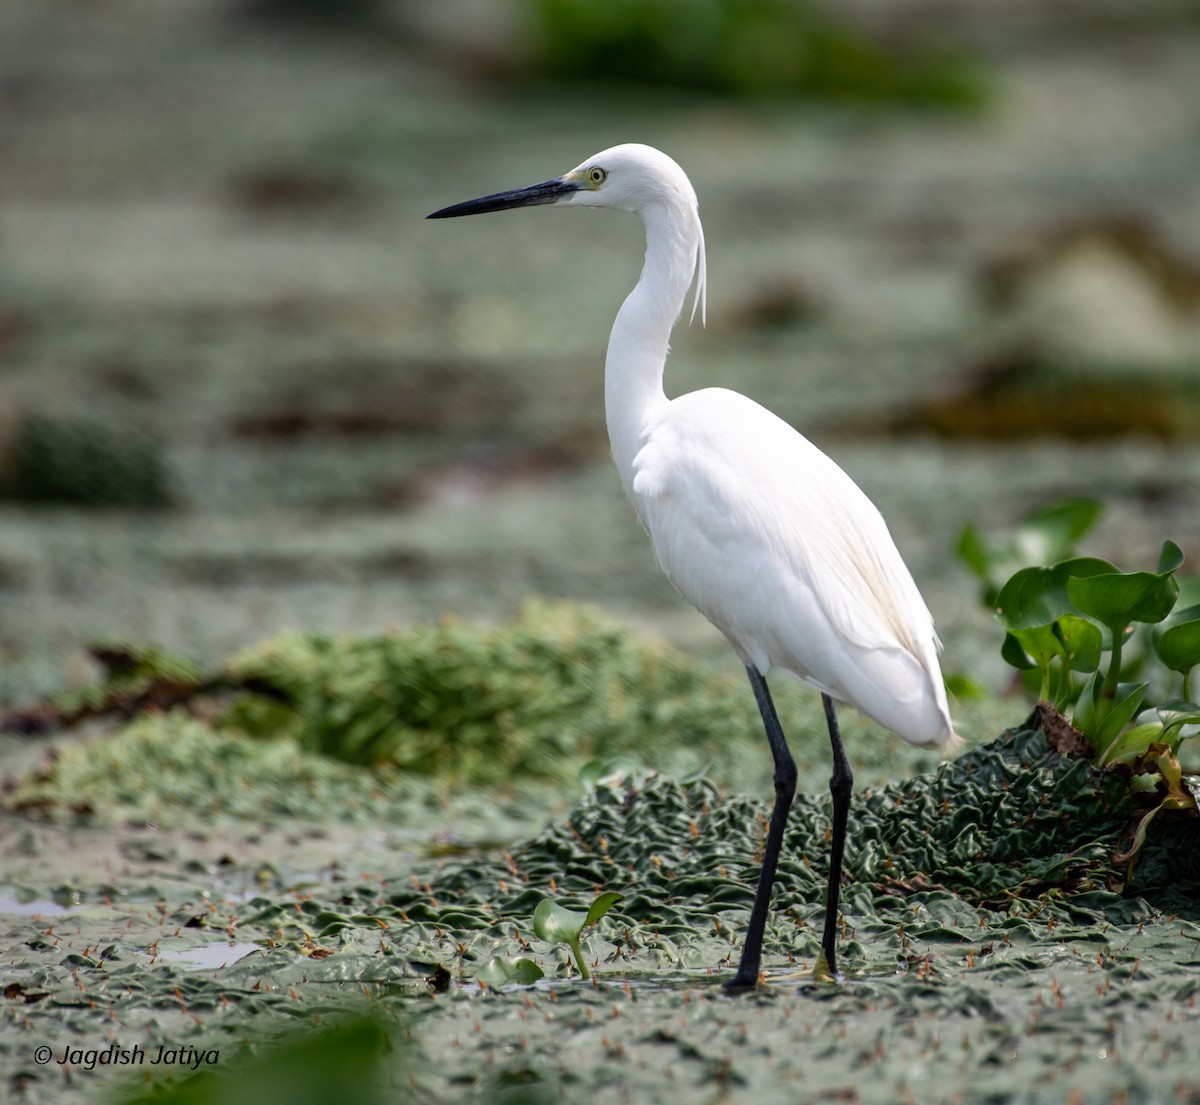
1175 714
1178 646
556 923
1117 599
1014 654
1042 646
565 926
603 903
505 971
1082 642
1170 558
1037 596
1040 643
1132 744
1044 536
1117 715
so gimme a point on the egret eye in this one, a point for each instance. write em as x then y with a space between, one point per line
596 176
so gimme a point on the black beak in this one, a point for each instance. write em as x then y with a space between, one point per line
548 191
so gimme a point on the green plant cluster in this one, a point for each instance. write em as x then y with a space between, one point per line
1105 644
744 47
1012 829
85 462
559 684
535 698
350 1057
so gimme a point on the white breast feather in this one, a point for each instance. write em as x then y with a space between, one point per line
723 482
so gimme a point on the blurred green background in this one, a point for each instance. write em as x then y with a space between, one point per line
244 387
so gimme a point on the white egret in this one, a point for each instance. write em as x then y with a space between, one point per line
752 523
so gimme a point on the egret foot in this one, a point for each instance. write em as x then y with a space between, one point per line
822 972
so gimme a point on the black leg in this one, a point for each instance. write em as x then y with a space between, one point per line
841 783
785 790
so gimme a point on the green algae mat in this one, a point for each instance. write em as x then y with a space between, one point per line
318 932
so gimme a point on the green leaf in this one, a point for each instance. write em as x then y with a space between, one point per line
1037 596
1040 643
1082 642
507 971
556 923
598 771
1012 652
1128 746
1117 715
1170 558
1178 646
565 926
1116 599
973 552
1086 715
601 905
1175 714
1049 534
962 686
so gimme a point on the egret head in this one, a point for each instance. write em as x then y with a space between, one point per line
630 177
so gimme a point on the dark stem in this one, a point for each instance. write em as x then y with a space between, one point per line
785 790
841 783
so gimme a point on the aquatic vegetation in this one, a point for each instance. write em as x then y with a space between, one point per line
1013 834
1071 623
972 892
170 769
535 698
746 47
558 924
357 1058
83 462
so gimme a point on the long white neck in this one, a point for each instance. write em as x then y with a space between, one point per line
640 338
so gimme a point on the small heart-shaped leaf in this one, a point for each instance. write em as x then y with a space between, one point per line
506 971
1178 645
1082 642
556 923
1170 558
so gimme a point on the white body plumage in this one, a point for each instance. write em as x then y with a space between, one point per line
749 520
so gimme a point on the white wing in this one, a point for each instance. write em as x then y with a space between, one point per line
783 552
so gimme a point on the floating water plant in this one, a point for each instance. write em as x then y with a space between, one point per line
1071 622
560 925
502 970
1113 651
748 48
